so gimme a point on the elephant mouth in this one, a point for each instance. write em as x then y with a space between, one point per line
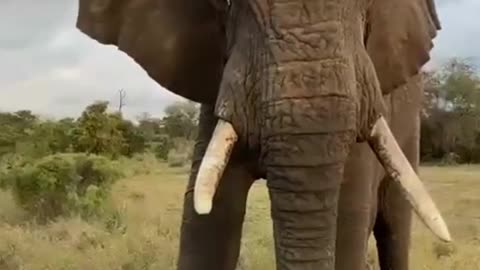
381 141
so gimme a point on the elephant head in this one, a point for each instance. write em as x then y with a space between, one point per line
295 83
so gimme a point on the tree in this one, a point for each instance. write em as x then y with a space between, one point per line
97 131
181 120
460 86
451 114
121 99
133 139
150 127
16 127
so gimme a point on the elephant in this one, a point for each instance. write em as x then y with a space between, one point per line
300 93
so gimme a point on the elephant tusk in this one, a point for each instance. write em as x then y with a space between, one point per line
213 164
398 167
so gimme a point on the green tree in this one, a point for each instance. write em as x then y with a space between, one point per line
97 131
150 127
162 147
16 127
181 120
451 115
460 86
134 140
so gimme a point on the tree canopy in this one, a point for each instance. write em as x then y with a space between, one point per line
451 115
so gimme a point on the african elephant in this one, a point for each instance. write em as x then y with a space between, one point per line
291 91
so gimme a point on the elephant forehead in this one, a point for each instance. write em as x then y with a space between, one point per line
310 79
322 41
290 14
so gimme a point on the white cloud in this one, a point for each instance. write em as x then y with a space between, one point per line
460 34
50 67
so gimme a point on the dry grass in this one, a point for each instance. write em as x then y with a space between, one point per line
149 213
456 190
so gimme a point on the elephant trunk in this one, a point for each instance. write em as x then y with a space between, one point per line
304 190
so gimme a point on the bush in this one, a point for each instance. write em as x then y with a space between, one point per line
450 159
163 147
181 154
139 164
62 185
7 163
177 159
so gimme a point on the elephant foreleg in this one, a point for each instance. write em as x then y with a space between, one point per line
393 224
212 242
392 227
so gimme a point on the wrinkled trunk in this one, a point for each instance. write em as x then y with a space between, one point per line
304 197
309 124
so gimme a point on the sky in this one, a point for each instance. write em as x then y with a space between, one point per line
51 68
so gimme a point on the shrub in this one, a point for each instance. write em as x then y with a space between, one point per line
450 159
181 154
163 147
62 185
177 159
139 164
7 163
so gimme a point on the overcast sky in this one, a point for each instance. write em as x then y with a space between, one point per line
48 66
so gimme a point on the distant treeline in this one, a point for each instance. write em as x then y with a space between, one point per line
97 131
451 114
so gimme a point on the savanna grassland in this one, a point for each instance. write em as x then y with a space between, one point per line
143 234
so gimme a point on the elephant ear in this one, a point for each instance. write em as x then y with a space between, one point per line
179 43
399 38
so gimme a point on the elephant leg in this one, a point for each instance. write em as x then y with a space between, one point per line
355 208
393 224
212 242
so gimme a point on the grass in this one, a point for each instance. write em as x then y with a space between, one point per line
145 230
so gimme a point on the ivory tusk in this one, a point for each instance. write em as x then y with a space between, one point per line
213 164
390 155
